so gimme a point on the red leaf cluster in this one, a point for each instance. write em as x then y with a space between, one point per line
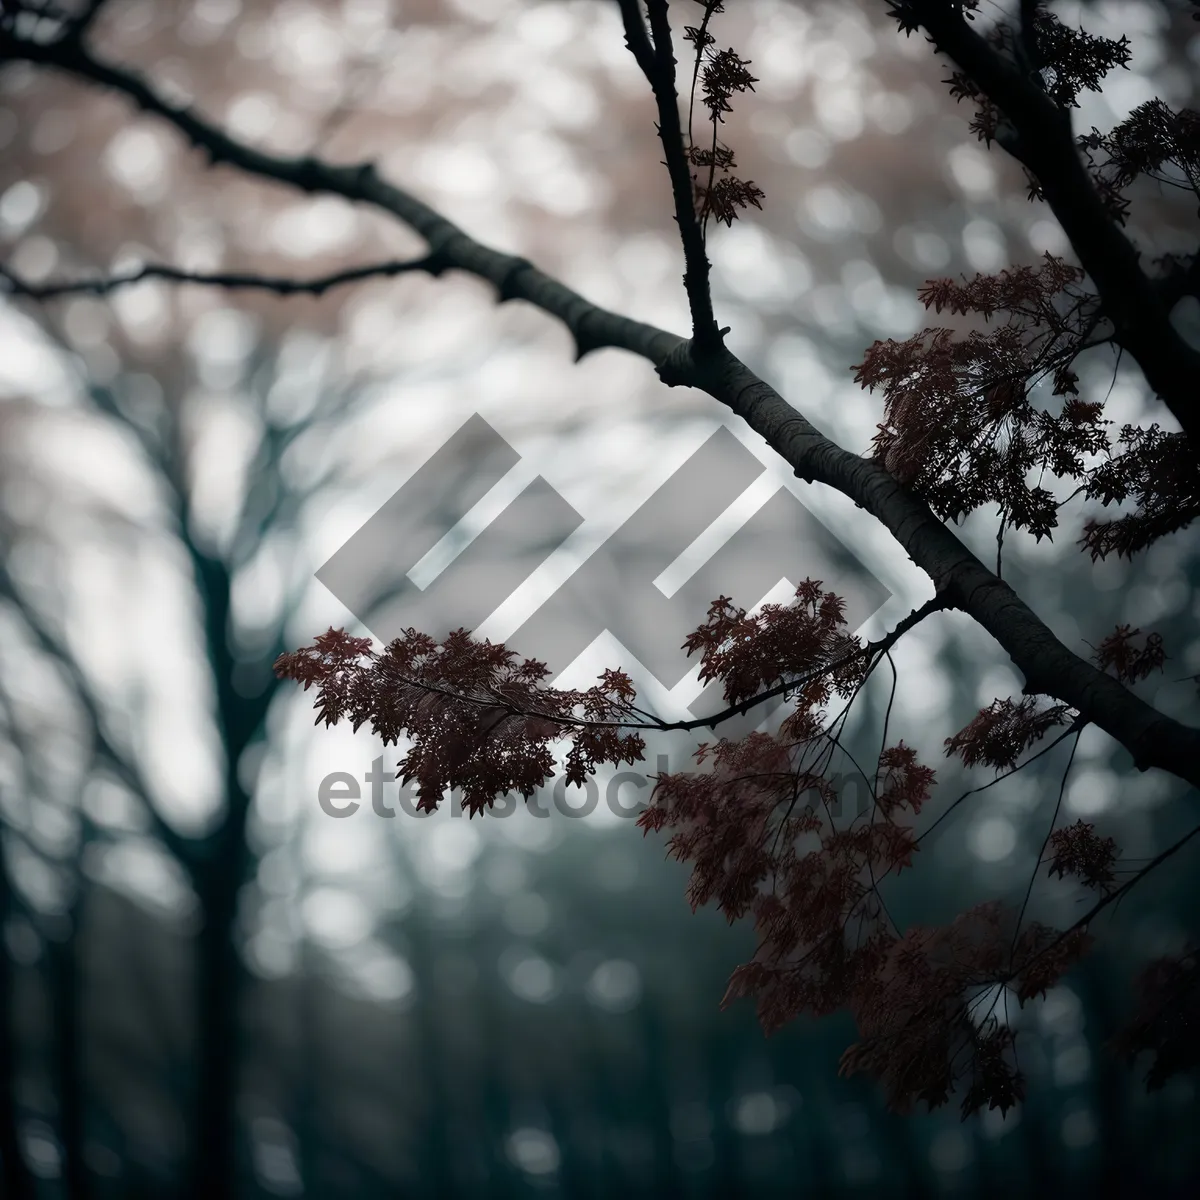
917 1033
960 426
721 73
478 718
1166 1023
999 734
925 1030
1151 139
967 422
1042 956
1069 61
757 824
1077 850
758 821
1161 472
726 196
1130 662
905 783
781 642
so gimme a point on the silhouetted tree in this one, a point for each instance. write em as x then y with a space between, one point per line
966 426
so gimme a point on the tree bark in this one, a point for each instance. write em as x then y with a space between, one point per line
17 1181
66 996
218 991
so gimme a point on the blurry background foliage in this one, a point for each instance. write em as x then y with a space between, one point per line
506 1008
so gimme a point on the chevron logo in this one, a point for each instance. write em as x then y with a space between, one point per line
419 563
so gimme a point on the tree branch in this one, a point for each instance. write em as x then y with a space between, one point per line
1109 898
1045 144
122 764
1049 667
873 650
87 17
657 62
232 280
1180 278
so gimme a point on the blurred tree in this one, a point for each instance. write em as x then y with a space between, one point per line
218 861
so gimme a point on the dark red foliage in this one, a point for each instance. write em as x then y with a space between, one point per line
1078 851
1069 61
961 425
1153 137
928 1014
751 653
1161 473
1130 661
721 74
1002 732
985 411
726 196
1166 1023
904 783
1042 956
478 717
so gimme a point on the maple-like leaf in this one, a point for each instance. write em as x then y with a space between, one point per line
1078 850
999 734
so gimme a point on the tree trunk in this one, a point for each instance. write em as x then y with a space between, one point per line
218 992
14 1175
65 985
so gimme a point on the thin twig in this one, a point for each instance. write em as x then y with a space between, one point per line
232 280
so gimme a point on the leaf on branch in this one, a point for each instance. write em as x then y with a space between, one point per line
920 1034
1161 473
905 783
996 1081
1152 137
1070 61
1154 141
1042 956
478 718
1130 662
726 197
718 156
960 427
808 637
723 73
999 734
1077 850
1166 1023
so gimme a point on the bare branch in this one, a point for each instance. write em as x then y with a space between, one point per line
657 62
231 280
122 764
